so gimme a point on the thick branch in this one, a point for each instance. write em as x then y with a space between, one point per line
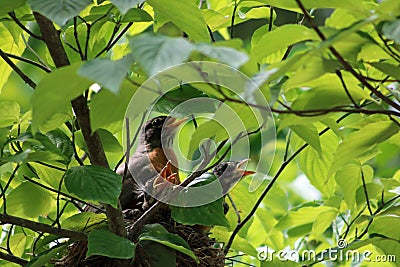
12 258
96 152
40 227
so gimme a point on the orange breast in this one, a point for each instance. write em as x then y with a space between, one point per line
159 159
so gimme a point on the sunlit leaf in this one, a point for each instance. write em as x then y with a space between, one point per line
184 14
54 93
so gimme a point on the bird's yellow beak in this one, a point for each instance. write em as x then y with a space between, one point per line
173 123
245 172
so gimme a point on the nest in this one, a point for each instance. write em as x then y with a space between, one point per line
205 248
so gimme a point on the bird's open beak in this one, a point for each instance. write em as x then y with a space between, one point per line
173 123
245 172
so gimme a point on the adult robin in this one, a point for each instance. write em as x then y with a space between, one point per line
153 158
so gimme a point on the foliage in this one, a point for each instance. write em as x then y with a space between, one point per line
331 77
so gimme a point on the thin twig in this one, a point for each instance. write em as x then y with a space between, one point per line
366 192
29 61
233 19
339 74
34 52
78 44
17 70
234 208
22 26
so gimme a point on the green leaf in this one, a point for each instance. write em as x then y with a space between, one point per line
94 183
391 30
17 244
83 221
360 142
136 15
8 6
110 143
105 243
184 14
374 192
208 130
303 216
390 250
323 221
210 214
159 255
100 116
359 6
387 68
49 175
312 69
225 55
19 201
169 102
308 133
57 142
349 179
106 72
279 263
125 5
287 35
59 11
45 257
157 233
384 225
54 93
157 52
324 93
9 113
8 44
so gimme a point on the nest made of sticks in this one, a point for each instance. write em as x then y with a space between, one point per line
205 248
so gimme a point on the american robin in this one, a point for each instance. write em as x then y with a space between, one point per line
229 173
152 160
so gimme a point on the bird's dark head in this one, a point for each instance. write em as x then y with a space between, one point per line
160 131
231 169
229 173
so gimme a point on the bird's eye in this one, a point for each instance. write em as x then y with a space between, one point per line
157 122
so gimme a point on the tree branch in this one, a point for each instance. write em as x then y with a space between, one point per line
17 70
41 227
29 61
81 109
22 26
12 258
344 63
